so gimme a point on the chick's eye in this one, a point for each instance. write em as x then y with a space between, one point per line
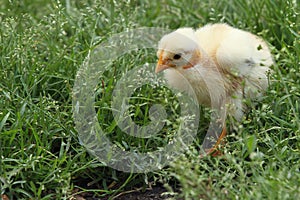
176 56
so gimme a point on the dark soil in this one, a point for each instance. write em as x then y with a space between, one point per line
155 193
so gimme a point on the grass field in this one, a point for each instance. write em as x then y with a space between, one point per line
44 43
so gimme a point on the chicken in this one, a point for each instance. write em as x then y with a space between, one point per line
223 65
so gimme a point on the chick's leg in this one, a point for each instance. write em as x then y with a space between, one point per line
214 151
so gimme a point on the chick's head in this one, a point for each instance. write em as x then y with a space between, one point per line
178 49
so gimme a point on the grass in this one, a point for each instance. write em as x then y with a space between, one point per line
44 43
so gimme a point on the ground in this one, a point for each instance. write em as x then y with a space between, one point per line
154 193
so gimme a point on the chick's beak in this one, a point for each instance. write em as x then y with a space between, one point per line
161 65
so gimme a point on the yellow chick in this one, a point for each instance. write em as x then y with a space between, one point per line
221 63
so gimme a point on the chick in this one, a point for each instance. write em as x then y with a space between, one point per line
222 64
